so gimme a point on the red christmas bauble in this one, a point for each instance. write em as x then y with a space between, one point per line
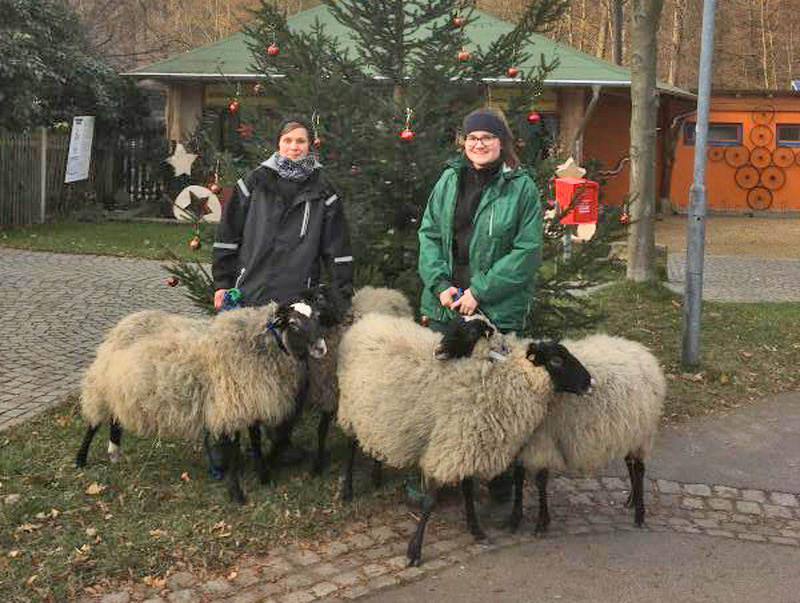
233 106
172 281
463 55
317 142
512 72
459 21
273 49
354 169
406 134
624 218
533 117
215 188
194 243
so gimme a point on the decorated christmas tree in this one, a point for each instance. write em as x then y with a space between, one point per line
386 85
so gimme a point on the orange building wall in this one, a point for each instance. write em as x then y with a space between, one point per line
607 139
722 191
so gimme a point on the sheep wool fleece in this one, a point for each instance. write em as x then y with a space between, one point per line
454 419
323 386
222 374
621 414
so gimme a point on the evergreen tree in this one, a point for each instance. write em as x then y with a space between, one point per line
387 116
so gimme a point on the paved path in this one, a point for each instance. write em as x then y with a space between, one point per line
739 279
54 309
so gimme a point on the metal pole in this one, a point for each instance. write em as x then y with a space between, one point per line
696 225
43 177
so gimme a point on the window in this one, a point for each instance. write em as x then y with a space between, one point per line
788 135
719 134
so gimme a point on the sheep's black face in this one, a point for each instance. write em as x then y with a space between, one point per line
328 302
566 371
298 326
461 336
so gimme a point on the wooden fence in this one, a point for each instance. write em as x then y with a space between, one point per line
32 188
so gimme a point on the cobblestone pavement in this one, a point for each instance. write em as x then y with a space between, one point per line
740 279
54 309
370 557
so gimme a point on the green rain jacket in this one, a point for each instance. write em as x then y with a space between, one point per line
504 252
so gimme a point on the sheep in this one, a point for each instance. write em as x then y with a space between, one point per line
165 375
455 420
323 386
618 418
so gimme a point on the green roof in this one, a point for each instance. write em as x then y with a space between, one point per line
231 58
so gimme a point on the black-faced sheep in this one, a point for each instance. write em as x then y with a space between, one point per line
455 420
168 376
619 418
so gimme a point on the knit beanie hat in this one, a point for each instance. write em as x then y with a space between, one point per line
486 121
292 119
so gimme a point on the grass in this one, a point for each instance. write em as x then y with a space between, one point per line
128 239
137 521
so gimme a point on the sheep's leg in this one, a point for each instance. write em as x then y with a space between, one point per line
516 511
83 451
282 447
262 470
231 463
468 490
543 520
347 484
322 435
377 474
415 544
636 499
114 441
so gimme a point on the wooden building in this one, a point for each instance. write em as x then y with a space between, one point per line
586 99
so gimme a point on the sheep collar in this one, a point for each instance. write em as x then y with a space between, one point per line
279 340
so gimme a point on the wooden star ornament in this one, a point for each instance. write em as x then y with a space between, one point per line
181 161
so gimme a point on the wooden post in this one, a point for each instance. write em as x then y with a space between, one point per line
43 176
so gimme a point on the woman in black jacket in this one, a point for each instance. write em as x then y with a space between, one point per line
283 223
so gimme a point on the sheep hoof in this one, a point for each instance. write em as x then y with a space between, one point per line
414 559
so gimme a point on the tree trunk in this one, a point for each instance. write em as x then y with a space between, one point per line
677 41
643 54
618 26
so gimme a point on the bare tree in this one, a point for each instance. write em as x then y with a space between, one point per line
643 52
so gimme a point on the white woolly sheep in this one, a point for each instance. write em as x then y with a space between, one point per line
455 420
169 376
323 385
619 418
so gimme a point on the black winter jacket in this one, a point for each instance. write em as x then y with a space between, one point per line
271 247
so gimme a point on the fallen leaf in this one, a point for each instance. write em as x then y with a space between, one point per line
13 553
29 527
95 488
232 575
91 532
31 580
185 476
155 582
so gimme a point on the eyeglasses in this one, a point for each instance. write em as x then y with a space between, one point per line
484 140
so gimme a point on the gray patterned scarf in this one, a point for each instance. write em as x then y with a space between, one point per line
297 171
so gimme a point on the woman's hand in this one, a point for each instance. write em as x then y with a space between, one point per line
446 296
219 296
466 304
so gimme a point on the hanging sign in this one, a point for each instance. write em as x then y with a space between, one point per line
80 149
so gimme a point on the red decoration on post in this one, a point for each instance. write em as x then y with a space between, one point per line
233 105
512 72
463 55
194 243
215 188
317 142
624 218
459 21
534 117
406 134
172 281
584 194
273 49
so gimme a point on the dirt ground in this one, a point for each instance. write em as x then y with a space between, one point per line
738 236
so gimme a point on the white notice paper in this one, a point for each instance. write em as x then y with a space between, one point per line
80 148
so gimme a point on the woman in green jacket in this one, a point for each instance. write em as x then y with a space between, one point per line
482 231
481 236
